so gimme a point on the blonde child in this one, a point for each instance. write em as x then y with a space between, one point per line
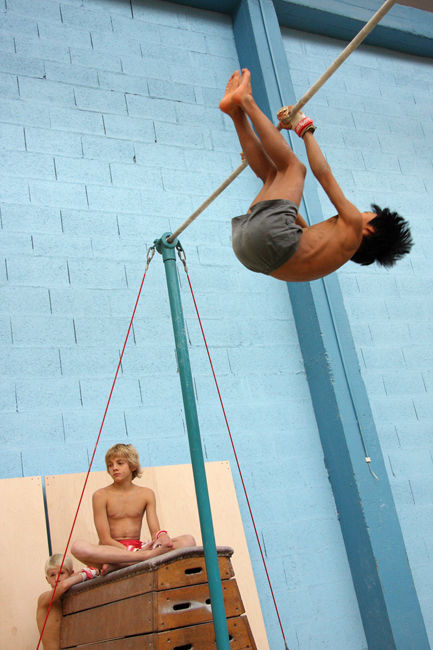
51 636
118 511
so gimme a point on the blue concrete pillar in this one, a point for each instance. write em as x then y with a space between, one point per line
371 531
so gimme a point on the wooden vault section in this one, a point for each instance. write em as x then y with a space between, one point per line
161 603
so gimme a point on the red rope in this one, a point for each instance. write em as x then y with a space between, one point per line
236 457
149 259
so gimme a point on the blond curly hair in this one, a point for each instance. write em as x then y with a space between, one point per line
129 453
55 562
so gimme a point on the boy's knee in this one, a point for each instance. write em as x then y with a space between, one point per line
188 540
294 166
79 549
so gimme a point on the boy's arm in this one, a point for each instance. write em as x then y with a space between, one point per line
300 221
151 516
322 171
45 598
153 523
99 503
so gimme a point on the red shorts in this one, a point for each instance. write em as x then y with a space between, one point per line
135 543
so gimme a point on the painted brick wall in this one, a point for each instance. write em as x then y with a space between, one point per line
375 125
110 135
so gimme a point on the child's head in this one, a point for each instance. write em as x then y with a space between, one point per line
128 453
52 566
389 242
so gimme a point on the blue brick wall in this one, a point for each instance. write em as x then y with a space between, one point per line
110 136
363 128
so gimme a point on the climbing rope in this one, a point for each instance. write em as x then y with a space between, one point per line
150 254
182 257
354 43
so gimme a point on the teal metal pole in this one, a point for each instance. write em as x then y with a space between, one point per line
168 252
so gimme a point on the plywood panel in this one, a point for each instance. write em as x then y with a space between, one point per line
23 552
177 511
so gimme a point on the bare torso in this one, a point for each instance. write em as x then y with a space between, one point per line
125 510
51 638
323 248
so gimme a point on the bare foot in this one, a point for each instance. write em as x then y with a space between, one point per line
243 93
136 557
107 568
226 104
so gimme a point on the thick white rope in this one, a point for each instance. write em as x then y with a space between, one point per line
308 95
343 56
208 201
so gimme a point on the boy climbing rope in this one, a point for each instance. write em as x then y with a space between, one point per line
118 512
273 238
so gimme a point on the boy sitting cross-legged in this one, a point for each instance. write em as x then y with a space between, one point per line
118 511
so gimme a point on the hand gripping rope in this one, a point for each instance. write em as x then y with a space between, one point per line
150 254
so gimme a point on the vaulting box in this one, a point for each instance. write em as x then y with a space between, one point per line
161 603
176 506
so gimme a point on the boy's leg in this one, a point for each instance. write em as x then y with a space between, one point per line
251 146
110 558
100 554
288 182
183 541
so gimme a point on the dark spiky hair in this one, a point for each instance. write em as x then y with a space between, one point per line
389 242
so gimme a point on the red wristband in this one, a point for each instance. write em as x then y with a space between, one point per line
88 574
160 532
304 125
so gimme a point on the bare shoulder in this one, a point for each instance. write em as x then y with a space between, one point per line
102 491
145 493
349 215
44 599
349 228
101 494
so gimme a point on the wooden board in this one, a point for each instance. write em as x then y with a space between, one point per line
190 571
24 550
144 614
142 642
203 636
170 576
197 636
114 620
177 511
191 605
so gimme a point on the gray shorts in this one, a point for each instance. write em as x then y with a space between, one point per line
267 236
